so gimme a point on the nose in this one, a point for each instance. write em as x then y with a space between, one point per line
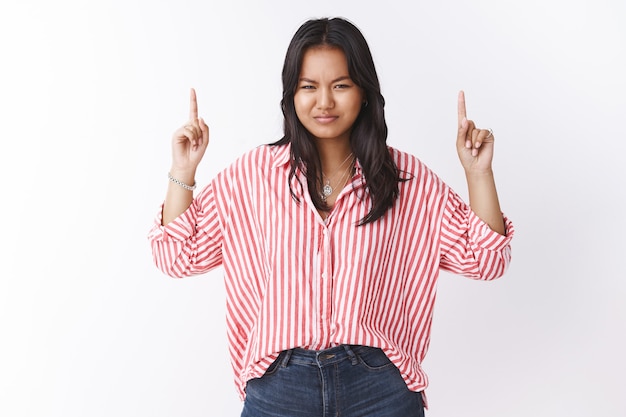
325 99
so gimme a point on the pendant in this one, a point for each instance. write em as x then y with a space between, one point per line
327 190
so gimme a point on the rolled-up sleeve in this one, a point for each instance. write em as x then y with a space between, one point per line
468 245
192 243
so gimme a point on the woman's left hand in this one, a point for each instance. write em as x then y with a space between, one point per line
474 145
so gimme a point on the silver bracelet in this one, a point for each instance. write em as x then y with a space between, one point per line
182 184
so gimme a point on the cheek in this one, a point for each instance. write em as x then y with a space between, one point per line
300 105
355 105
354 100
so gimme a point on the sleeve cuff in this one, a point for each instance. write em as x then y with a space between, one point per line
486 238
180 229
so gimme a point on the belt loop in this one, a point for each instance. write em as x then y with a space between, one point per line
351 354
285 361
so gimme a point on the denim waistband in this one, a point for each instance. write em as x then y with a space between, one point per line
321 358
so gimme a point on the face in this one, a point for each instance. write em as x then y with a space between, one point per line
327 101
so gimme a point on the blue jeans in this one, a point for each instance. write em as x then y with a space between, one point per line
347 381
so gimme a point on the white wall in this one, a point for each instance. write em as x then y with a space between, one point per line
90 94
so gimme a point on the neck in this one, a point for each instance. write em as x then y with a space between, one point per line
333 154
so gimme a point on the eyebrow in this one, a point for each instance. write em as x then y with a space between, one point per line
336 80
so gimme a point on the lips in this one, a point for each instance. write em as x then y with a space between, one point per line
326 119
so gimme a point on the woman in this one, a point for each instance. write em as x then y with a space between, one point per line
331 241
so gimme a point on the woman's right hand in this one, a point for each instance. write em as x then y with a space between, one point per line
189 142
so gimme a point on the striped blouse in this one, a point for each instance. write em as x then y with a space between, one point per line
294 279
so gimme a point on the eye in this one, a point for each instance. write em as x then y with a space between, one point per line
307 87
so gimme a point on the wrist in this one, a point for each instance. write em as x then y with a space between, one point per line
185 175
184 181
472 174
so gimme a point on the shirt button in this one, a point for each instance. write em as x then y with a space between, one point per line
323 275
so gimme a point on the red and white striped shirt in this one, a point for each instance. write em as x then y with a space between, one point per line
294 279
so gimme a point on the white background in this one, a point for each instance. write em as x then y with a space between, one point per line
90 93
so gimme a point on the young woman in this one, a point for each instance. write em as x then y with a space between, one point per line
331 241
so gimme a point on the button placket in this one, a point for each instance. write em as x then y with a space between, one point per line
326 283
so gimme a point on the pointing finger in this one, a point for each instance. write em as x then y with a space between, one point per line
461 108
193 106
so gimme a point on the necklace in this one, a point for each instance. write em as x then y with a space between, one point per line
327 189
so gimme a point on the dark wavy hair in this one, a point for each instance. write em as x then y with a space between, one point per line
368 137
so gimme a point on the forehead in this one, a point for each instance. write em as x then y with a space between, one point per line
324 60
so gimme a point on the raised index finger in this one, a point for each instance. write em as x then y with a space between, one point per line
193 106
462 112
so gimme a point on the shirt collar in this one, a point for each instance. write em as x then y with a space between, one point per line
282 157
